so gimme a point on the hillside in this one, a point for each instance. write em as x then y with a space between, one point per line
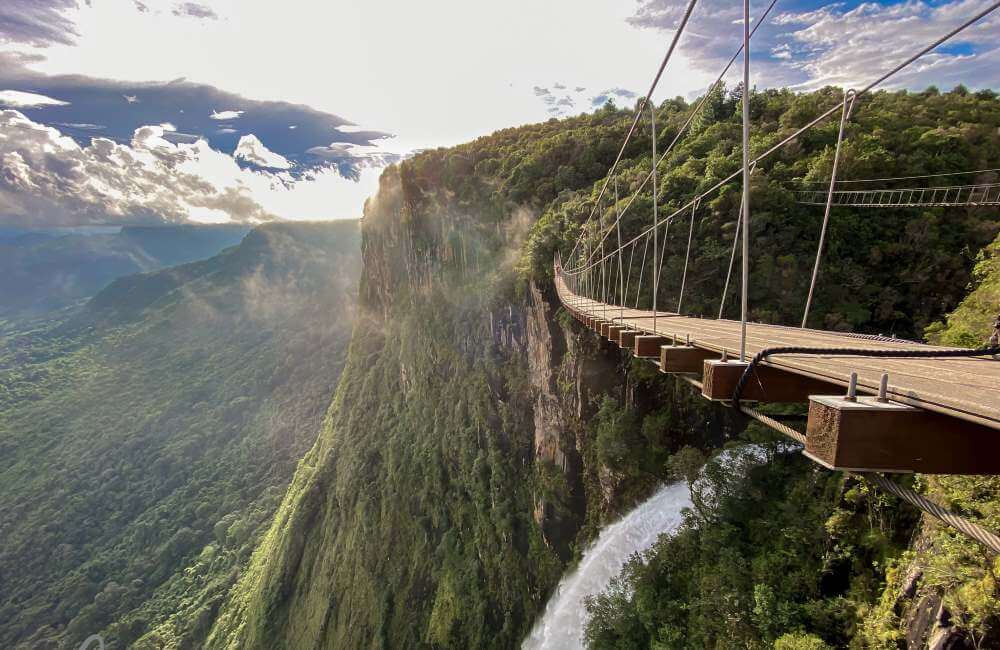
479 438
41 271
147 440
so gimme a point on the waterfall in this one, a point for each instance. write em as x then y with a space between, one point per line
561 626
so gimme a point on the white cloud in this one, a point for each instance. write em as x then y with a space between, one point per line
47 178
839 45
250 149
850 48
21 99
225 115
360 155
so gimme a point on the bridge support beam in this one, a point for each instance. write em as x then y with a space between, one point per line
647 346
626 338
768 383
889 437
684 358
613 331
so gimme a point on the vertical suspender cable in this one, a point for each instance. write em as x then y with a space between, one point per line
844 116
649 96
687 256
732 258
663 247
628 278
642 269
621 253
744 301
656 225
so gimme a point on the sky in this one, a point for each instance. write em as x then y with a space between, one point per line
150 111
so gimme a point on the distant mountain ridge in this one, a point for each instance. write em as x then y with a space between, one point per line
46 270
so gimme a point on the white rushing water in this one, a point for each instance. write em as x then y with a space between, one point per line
561 626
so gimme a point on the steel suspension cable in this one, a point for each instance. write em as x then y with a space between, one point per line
663 251
732 258
745 261
695 112
621 281
642 105
907 178
638 290
826 114
959 523
656 224
849 98
628 281
687 258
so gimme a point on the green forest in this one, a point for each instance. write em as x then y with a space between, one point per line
390 435
148 438
480 438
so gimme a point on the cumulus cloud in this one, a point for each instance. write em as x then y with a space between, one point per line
559 99
191 107
251 150
610 95
47 177
20 99
226 115
840 44
351 159
36 22
194 10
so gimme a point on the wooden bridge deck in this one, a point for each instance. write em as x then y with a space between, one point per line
964 388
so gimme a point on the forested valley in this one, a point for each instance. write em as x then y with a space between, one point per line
389 434
480 438
147 437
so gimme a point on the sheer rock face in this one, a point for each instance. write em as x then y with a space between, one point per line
543 362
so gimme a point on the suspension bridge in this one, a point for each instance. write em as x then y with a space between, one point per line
875 404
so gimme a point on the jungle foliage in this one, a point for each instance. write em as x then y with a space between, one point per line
410 522
147 440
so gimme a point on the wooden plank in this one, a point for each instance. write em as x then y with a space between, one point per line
766 384
626 339
682 358
868 435
647 346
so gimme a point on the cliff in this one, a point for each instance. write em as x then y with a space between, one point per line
478 438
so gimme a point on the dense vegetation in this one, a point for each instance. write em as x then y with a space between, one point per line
478 440
147 440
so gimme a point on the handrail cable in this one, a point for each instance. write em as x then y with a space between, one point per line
694 113
849 98
822 116
639 109
907 178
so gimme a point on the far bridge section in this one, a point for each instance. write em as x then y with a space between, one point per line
932 415
915 197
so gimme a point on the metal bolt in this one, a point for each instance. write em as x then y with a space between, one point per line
883 387
689 339
673 341
725 357
852 388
